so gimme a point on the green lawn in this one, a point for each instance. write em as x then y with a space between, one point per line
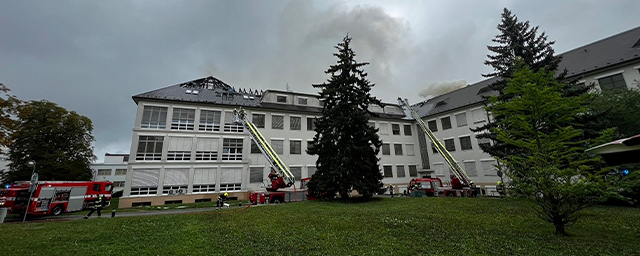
399 226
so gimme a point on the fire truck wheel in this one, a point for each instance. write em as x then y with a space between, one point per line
451 195
276 201
57 210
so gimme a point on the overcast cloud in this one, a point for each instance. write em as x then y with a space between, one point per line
92 56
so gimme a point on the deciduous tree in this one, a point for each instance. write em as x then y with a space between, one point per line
59 141
541 122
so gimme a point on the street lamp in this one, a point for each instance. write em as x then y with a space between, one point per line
34 181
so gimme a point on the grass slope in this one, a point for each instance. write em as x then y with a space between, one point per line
400 226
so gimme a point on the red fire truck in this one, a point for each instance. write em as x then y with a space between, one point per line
282 196
53 197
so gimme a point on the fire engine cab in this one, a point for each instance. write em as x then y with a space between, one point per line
53 197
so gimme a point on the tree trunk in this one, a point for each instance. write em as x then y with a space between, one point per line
560 229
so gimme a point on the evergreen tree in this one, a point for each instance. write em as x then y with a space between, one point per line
541 123
516 40
347 147
58 141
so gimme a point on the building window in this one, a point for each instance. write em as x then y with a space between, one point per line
278 146
410 150
395 128
384 129
232 150
311 170
175 181
118 184
104 172
413 171
207 149
230 179
465 143
295 147
450 145
446 123
256 174
179 149
438 169
400 169
209 120
258 120
302 101
281 99
386 149
407 130
121 171
254 148
277 122
461 119
309 145
398 149
149 148
297 172
154 118
612 82
484 141
311 123
144 182
183 119
204 180
388 171
294 123
433 126
229 125
479 115
488 169
470 169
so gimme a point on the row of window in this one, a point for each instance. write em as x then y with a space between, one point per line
400 171
465 144
210 120
179 149
488 168
107 172
479 116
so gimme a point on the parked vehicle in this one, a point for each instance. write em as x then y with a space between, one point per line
53 197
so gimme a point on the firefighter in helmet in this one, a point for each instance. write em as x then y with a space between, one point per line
500 188
221 199
97 206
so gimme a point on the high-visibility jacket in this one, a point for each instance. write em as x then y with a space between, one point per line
98 203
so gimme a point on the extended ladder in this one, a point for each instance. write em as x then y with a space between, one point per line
272 157
455 167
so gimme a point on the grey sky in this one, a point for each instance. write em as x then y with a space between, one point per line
92 56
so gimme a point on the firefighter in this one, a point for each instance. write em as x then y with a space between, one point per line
455 182
97 206
500 188
221 199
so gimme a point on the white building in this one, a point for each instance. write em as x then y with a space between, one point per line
114 169
186 149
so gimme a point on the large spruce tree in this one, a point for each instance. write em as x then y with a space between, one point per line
347 147
59 141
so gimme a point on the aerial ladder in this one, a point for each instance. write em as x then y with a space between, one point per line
280 176
453 164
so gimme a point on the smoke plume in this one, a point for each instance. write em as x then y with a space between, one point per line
437 88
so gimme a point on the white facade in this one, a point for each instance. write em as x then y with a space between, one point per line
194 157
114 169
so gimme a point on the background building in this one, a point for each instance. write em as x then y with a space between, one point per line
114 169
610 63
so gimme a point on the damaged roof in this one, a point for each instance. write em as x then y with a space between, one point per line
613 50
210 90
